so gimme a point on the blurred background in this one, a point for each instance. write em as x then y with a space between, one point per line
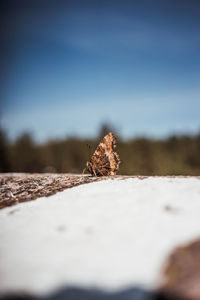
71 71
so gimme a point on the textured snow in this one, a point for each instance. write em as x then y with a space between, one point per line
109 234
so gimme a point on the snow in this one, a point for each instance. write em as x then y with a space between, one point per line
109 234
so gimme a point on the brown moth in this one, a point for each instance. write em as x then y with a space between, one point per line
104 161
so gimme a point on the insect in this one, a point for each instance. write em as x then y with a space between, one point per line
104 161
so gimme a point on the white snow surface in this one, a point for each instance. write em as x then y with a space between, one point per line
109 234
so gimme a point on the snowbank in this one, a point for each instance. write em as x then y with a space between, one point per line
109 234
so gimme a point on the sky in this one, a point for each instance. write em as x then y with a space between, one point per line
69 66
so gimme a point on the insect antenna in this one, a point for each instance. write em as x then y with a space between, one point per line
89 150
89 155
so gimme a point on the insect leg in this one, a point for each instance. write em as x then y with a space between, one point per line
94 172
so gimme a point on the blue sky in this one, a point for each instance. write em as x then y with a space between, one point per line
69 66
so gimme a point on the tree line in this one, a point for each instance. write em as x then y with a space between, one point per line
176 155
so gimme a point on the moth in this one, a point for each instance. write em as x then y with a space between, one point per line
104 161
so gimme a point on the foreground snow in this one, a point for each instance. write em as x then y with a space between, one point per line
109 234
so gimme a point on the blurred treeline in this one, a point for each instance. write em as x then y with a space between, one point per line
177 155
